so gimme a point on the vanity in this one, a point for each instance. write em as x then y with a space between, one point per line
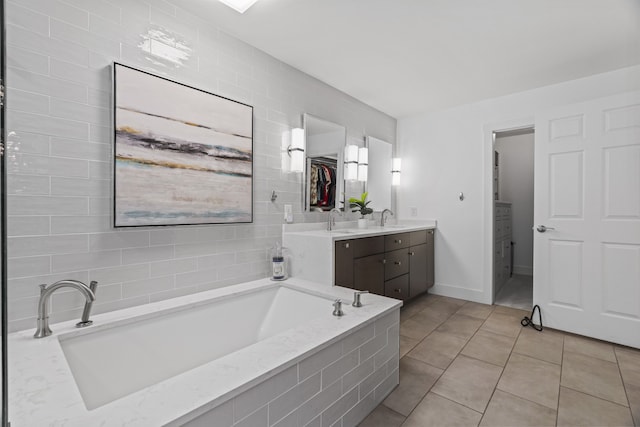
396 261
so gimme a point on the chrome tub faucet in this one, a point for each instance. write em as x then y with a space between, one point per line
43 329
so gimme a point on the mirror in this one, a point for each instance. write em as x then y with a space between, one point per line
323 176
379 179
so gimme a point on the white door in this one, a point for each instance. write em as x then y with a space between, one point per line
587 194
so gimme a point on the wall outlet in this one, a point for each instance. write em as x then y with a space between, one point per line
288 214
414 211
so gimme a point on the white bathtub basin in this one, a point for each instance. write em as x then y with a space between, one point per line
113 362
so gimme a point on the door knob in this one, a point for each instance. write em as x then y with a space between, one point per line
542 228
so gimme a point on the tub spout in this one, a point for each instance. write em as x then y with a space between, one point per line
84 320
43 329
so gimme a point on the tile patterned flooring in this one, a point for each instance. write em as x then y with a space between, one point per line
469 364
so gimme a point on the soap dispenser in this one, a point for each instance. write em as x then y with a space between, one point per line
278 268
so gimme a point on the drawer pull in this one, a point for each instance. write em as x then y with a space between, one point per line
398 263
398 241
384 261
346 246
412 253
398 290
430 231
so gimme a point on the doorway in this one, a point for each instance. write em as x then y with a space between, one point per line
513 202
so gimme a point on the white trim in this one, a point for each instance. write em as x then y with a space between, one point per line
453 291
487 164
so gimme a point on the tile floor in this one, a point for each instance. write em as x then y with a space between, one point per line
469 364
517 292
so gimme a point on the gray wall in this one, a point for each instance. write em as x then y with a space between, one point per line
60 153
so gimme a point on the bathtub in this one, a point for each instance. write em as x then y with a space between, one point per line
257 353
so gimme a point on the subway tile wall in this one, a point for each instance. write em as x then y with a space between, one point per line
337 386
59 156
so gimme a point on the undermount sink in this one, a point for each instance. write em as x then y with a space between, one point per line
341 232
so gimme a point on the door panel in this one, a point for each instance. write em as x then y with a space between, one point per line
565 273
566 185
622 171
621 271
587 192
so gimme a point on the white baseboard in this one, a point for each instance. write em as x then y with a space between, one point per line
523 270
475 295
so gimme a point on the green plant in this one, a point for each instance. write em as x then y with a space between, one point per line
360 205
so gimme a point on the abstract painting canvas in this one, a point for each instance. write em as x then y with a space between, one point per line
182 155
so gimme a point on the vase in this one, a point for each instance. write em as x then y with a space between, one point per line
363 222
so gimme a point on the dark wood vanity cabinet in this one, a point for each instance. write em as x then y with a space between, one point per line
396 265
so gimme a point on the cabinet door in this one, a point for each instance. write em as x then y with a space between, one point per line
418 263
368 274
397 288
344 263
430 258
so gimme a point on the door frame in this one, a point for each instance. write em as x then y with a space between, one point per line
488 238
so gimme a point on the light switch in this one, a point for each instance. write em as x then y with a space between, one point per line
288 214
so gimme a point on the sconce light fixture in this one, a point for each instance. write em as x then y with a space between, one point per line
351 162
239 5
363 163
296 150
395 171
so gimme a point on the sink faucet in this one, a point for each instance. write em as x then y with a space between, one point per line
332 219
382 218
43 304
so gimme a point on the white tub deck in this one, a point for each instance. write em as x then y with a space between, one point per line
42 389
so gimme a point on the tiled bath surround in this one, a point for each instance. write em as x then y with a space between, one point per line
59 56
338 386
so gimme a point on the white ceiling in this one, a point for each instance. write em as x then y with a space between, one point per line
410 56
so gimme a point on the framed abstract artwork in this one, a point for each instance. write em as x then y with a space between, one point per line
182 155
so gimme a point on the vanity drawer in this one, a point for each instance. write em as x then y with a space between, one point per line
418 237
367 246
397 288
396 263
396 241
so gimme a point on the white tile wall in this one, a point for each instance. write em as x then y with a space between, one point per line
337 386
59 56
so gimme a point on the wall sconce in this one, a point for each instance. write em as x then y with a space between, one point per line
395 171
296 150
351 162
363 163
239 5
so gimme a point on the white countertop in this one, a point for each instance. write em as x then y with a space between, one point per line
349 230
42 390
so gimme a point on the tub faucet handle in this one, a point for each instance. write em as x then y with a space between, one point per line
356 298
337 308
